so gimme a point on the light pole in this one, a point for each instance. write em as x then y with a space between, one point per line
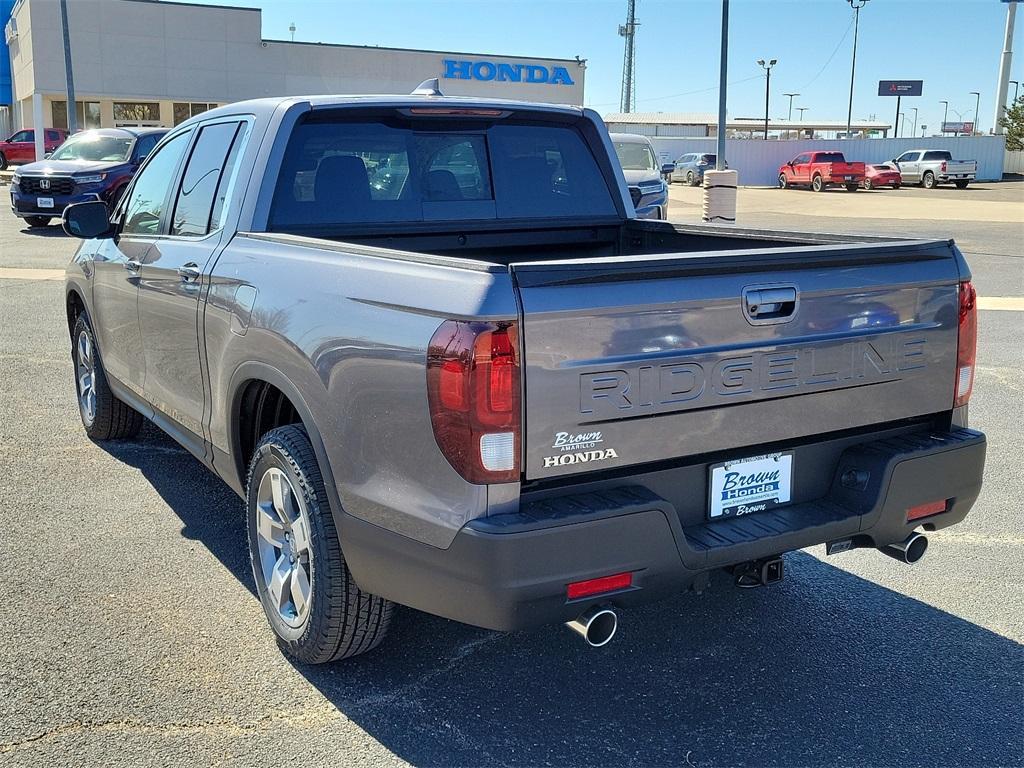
1015 84
901 122
923 129
945 113
767 89
977 101
856 5
791 95
801 110
913 131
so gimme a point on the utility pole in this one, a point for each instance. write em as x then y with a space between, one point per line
767 89
723 67
977 101
627 102
1004 69
791 95
72 111
856 5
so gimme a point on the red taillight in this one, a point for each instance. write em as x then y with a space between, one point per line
967 343
473 389
926 510
598 586
943 166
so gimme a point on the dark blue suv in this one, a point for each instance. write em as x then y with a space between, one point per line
91 165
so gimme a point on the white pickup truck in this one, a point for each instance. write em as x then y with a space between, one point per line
930 167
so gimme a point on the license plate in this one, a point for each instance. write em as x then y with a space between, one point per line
750 485
848 178
44 202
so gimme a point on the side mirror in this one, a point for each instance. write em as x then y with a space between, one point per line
88 220
47 155
668 168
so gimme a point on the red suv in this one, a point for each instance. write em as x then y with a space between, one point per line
21 147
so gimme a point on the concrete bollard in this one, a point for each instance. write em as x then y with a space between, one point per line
720 196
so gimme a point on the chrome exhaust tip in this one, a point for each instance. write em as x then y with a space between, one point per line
597 625
910 550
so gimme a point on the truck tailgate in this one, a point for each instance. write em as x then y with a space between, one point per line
640 359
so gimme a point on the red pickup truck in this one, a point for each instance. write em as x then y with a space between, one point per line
820 169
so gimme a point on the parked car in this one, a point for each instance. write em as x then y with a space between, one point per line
644 174
820 170
21 147
931 167
882 175
690 167
519 407
91 165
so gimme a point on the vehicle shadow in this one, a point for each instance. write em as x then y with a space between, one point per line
824 669
51 230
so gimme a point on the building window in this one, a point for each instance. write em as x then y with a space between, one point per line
183 110
136 112
87 112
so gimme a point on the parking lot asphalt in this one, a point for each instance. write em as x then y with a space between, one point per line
132 637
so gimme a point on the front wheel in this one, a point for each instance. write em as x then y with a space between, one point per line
103 415
818 184
783 184
314 606
3 162
38 221
691 179
962 183
929 180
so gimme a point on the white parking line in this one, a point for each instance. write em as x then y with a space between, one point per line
17 273
1010 303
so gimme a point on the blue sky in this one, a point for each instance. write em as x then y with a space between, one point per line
953 45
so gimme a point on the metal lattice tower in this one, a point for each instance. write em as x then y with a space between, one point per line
628 30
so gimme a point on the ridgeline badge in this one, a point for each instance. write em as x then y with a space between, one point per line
455 69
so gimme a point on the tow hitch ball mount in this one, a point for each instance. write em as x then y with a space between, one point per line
758 573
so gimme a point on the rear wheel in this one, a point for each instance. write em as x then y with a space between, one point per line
37 221
818 184
896 186
103 415
783 184
315 608
929 180
962 183
691 179
3 162
867 183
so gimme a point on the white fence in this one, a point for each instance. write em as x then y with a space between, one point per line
1014 162
758 161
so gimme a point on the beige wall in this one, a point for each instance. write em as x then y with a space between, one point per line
126 50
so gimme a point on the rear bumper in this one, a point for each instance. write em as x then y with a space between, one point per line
510 571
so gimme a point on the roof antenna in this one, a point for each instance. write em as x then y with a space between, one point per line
429 87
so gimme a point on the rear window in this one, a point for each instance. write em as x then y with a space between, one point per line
346 172
937 155
881 167
708 159
831 157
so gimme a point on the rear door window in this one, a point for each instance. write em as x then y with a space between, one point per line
937 155
193 207
343 172
831 157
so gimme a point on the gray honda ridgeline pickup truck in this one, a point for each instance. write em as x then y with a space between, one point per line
428 342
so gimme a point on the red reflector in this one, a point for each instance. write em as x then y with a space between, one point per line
926 510
596 586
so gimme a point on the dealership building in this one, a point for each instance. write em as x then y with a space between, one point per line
157 63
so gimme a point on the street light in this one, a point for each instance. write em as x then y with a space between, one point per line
945 113
923 129
913 130
1015 84
856 5
977 101
791 95
901 122
767 89
801 110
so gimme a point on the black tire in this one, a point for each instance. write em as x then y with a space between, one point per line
691 179
928 180
342 620
115 198
818 184
110 419
867 184
38 221
852 187
3 162
896 186
962 183
783 184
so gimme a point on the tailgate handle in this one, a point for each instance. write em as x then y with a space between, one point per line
770 303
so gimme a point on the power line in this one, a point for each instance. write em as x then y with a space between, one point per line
677 95
834 52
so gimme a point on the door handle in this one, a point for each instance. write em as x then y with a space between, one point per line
770 304
189 273
133 265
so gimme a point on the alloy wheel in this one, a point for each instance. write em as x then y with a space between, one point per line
282 524
86 370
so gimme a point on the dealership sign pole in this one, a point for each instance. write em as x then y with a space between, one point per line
1004 68
899 89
